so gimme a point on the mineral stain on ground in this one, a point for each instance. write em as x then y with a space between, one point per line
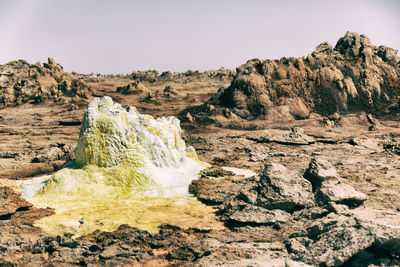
80 216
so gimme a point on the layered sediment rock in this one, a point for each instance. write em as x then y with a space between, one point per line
295 137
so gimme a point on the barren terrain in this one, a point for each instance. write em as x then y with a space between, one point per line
260 226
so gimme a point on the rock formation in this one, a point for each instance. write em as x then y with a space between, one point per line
132 88
350 77
21 82
326 183
152 76
328 225
333 240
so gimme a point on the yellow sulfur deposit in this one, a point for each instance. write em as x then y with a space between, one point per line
129 169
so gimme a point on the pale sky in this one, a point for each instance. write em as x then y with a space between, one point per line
177 35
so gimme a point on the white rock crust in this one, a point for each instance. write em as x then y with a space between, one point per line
108 131
121 147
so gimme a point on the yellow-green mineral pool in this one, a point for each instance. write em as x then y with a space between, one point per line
129 169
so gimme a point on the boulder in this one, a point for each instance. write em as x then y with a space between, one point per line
267 199
392 144
332 241
284 189
320 171
328 187
169 91
341 193
147 75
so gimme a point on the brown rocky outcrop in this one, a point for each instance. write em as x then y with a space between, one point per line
21 82
132 88
350 77
152 76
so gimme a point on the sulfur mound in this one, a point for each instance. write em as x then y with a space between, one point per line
129 166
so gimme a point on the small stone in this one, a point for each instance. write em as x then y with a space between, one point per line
335 117
342 193
227 113
255 214
319 171
189 117
110 251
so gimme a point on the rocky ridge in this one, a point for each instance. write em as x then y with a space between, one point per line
21 82
153 75
353 76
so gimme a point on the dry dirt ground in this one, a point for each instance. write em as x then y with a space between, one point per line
40 138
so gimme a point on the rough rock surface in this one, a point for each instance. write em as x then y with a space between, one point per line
21 82
352 76
336 238
295 137
284 189
329 231
10 202
277 193
132 88
326 182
